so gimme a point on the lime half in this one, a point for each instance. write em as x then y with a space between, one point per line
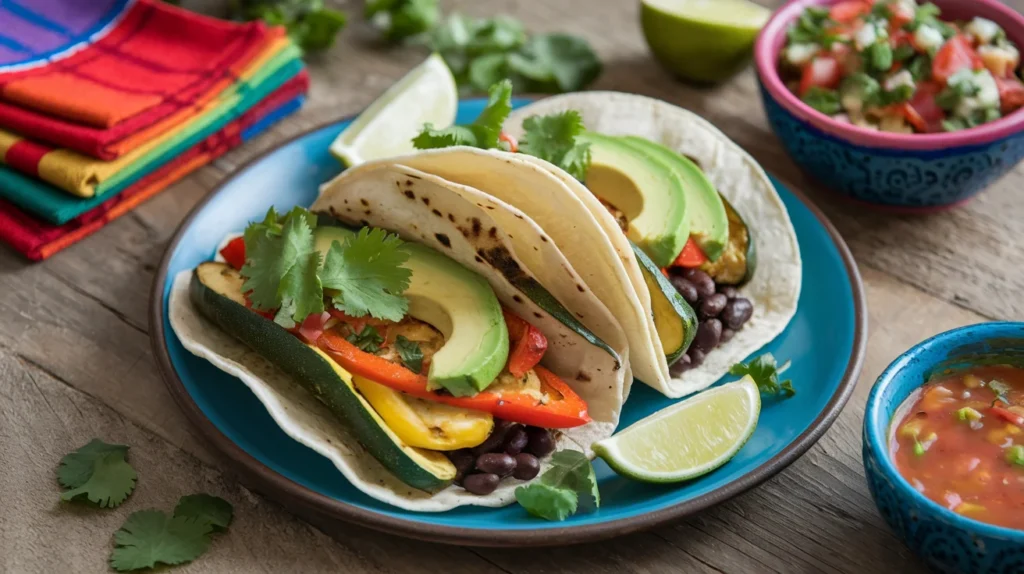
427 94
702 40
687 439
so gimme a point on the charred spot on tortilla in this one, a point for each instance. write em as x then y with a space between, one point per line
491 207
517 298
501 259
410 194
544 238
538 315
437 213
346 201
493 233
451 218
479 259
415 176
580 315
426 200
367 212
443 240
583 377
519 215
477 226
332 211
581 288
364 202
408 182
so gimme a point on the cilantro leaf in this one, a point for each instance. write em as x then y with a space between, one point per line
766 374
367 340
207 508
310 24
482 133
99 472
1000 389
410 353
366 276
553 138
824 100
556 63
556 494
150 536
280 271
401 19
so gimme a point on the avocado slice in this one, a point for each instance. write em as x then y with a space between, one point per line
646 189
708 222
455 301
738 261
674 319
216 291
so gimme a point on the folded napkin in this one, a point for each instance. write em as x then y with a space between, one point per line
156 61
85 176
57 206
38 240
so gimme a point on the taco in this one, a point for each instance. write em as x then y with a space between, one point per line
675 228
433 366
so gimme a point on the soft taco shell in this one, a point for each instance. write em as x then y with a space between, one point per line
775 287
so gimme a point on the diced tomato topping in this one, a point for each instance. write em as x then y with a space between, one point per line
900 16
234 252
955 55
1011 94
823 71
311 329
513 144
921 111
849 10
690 256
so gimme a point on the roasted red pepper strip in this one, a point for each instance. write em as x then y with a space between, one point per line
513 144
690 256
527 342
1008 416
234 253
564 408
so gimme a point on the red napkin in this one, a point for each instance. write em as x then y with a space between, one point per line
38 240
156 61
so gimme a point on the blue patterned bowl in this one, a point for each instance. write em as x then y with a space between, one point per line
945 540
902 172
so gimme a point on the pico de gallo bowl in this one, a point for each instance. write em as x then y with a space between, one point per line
940 448
895 166
898 66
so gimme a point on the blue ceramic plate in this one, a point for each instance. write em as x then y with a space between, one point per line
825 342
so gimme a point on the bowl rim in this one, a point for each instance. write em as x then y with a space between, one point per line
877 423
765 58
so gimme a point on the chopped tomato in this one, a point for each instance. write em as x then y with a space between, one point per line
955 55
900 15
690 256
528 344
921 111
264 314
849 10
311 329
559 407
822 71
513 145
1011 94
1008 416
234 252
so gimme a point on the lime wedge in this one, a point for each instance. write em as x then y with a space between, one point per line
702 40
687 439
427 94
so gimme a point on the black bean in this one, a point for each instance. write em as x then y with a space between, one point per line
702 281
463 460
541 443
712 306
496 462
481 483
527 466
497 438
728 290
696 357
737 312
726 335
515 441
680 366
685 288
708 334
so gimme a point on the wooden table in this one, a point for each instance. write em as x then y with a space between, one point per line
75 360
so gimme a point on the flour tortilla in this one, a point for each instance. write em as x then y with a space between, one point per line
775 287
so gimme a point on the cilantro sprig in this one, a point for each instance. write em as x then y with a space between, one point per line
554 138
97 472
766 374
368 340
149 537
556 495
402 19
284 271
482 133
310 24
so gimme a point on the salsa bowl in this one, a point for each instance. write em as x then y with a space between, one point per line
900 172
947 541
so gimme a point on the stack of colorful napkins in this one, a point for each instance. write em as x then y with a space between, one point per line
105 103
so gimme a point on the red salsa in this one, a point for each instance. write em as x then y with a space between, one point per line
959 440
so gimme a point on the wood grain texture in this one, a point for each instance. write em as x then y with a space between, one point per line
75 360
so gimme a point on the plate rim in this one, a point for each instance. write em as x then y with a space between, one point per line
318 507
